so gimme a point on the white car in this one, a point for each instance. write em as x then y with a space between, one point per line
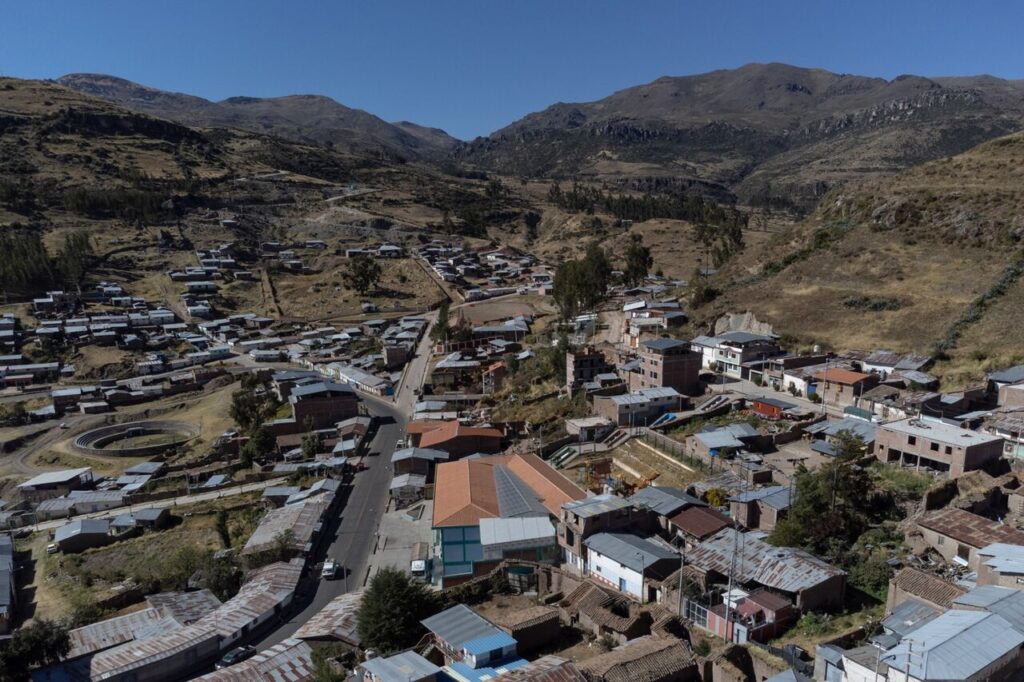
52 548
330 570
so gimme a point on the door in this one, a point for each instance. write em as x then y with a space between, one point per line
622 584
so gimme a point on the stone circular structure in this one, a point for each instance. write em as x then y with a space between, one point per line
100 441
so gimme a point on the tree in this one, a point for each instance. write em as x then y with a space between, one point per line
638 260
363 274
259 445
72 260
532 220
393 605
42 643
582 284
442 328
252 404
310 445
598 270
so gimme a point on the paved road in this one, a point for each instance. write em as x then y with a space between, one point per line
356 534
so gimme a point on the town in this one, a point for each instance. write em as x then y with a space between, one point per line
593 494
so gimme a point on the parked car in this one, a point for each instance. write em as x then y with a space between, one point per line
236 655
52 548
330 570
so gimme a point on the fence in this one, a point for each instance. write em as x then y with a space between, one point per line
672 447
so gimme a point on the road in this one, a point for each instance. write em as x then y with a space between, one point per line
752 390
356 533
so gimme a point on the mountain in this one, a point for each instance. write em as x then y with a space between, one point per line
301 118
759 130
927 260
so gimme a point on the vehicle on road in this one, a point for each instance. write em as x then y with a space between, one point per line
419 564
52 548
236 655
330 570
63 425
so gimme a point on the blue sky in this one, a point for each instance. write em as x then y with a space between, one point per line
472 66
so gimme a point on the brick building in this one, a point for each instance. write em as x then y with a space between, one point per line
667 363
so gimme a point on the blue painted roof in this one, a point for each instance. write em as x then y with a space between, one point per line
498 640
462 672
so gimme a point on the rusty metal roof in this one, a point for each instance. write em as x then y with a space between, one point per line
336 620
289 661
782 568
546 669
970 529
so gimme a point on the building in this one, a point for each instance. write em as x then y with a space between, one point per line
935 445
958 535
667 363
1001 564
773 408
663 502
506 487
761 508
742 617
912 584
82 534
628 563
322 403
957 645
533 628
640 407
473 647
8 589
646 658
55 484
729 352
419 461
839 386
810 583
581 366
696 524
455 438
582 518
407 666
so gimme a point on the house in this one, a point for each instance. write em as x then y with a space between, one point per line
958 535
824 434
809 582
545 669
773 408
473 647
152 518
915 585
667 363
407 488
728 352
455 438
419 461
581 366
935 445
407 666
696 524
957 645
323 403
761 508
589 429
722 441
742 617
885 362
646 658
579 519
663 502
839 386
638 408
360 379
82 534
629 563
499 487
1001 564
604 615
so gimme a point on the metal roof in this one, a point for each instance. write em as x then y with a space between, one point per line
776 496
718 439
664 501
419 453
645 395
1002 601
336 620
1011 375
908 616
407 666
289 661
516 498
631 551
663 344
55 477
598 504
81 527
503 531
1005 558
939 431
461 625
858 427
957 645
782 568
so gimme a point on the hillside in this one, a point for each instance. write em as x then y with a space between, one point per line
760 130
919 261
301 118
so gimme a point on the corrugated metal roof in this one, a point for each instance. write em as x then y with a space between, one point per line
631 551
664 500
460 624
598 504
336 620
957 645
1005 558
289 661
407 666
502 531
1002 601
908 616
54 477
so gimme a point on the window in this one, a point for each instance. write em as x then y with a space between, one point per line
934 447
949 449
941 540
911 440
